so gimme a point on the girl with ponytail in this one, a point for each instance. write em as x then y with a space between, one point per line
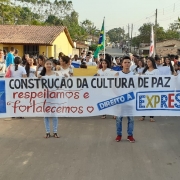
17 71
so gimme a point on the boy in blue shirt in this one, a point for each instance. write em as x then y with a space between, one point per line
10 57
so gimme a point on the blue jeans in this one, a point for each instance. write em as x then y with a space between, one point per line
130 126
47 124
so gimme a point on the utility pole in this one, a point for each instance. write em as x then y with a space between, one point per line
155 31
131 36
128 35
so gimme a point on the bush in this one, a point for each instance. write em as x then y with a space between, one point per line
93 47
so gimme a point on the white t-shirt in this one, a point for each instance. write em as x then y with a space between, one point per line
132 68
159 65
40 68
67 71
2 68
32 71
153 72
121 73
178 71
140 70
103 73
91 63
19 73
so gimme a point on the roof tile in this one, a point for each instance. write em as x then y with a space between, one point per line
27 34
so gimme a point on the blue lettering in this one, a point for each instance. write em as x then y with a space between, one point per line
177 98
164 101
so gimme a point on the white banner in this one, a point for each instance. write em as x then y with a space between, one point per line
90 96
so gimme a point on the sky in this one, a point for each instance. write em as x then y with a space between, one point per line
120 13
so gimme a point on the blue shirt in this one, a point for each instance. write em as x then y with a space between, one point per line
9 59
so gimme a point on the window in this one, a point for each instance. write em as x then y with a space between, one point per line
31 49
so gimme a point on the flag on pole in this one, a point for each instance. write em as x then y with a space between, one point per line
151 49
101 43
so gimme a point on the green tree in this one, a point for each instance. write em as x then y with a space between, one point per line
89 27
136 41
116 34
145 32
93 47
175 26
53 20
172 34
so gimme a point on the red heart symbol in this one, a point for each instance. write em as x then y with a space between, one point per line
74 109
22 108
69 94
90 109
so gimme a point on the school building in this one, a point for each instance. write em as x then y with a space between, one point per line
36 40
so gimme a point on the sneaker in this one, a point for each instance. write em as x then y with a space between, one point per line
131 139
118 138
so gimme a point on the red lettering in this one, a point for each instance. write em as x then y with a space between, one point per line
14 94
53 109
76 95
40 95
48 109
80 111
15 105
86 95
170 100
58 110
27 95
20 95
39 109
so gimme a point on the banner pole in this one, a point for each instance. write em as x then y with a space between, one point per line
104 39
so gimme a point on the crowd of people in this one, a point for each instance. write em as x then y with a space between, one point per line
30 66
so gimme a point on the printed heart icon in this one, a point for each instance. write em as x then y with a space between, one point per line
69 94
90 109
22 108
74 109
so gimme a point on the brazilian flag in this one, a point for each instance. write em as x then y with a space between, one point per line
101 44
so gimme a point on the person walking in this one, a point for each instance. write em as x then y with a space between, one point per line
104 71
150 69
48 72
17 71
30 67
140 67
10 57
65 69
2 64
126 63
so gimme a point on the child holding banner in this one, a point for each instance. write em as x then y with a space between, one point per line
150 69
104 71
48 72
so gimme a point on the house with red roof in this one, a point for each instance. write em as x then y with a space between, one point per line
36 40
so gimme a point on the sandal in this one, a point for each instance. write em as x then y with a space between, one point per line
55 135
103 117
152 120
142 119
47 135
